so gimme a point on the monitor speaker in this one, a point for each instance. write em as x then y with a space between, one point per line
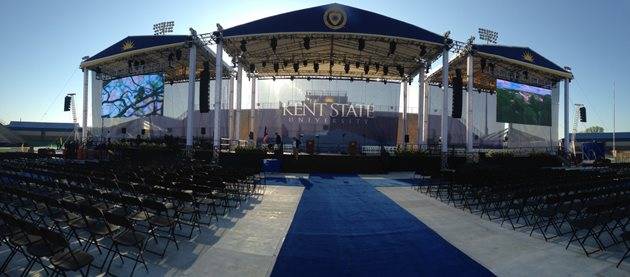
458 94
204 88
582 114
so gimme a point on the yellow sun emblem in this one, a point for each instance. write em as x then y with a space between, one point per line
127 45
528 56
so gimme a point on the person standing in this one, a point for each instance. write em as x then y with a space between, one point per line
278 145
296 147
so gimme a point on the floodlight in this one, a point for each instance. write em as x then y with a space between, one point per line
163 28
488 36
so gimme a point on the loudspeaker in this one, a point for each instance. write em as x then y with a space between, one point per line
582 114
123 130
204 89
66 103
458 94
203 130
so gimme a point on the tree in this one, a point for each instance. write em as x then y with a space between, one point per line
594 129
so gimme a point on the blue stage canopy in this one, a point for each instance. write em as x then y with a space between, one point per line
332 41
135 55
523 54
312 20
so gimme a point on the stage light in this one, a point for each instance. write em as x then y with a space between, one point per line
307 43
361 44
178 54
276 67
357 64
316 67
274 44
243 46
264 63
305 63
296 67
483 64
392 47
423 50
252 68
385 70
366 68
346 68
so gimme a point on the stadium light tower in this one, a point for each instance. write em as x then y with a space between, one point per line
163 28
489 36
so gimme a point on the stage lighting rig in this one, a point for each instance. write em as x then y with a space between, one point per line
163 28
489 36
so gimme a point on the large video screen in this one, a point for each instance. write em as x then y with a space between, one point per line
523 104
141 95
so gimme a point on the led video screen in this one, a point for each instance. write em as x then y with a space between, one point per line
523 104
141 95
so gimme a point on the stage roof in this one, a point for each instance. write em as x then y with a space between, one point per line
334 33
136 55
512 63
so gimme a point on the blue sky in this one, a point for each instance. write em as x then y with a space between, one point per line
43 41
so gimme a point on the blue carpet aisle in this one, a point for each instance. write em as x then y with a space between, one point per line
343 226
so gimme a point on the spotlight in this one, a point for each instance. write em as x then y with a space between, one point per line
307 43
316 67
392 47
357 64
305 63
243 46
385 70
423 50
361 44
252 68
296 67
274 44
366 68
276 67
264 63
401 70
346 68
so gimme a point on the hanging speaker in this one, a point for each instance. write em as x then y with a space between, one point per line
66 103
458 94
204 88
582 114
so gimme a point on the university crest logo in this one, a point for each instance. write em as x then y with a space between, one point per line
335 18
